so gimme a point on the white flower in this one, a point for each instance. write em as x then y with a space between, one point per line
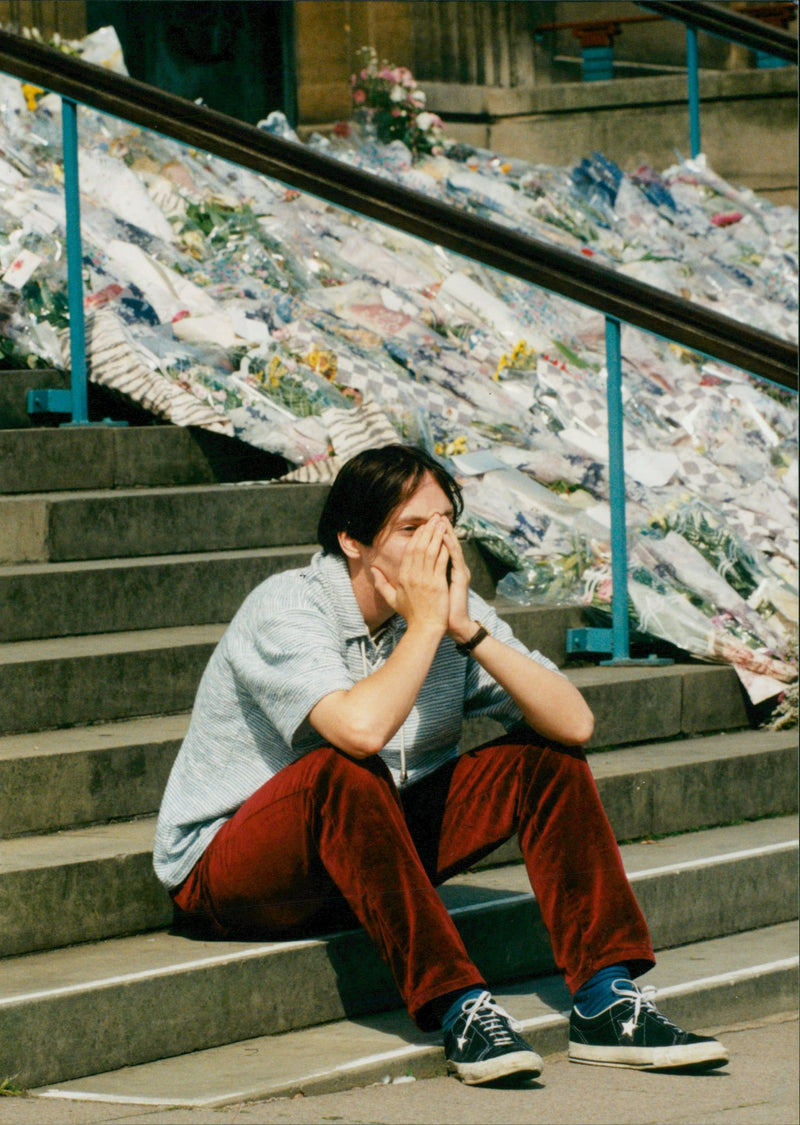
417 97
424 121
397 94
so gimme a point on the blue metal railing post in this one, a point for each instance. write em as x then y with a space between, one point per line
615 640
620 641
77 328
75 401
693 75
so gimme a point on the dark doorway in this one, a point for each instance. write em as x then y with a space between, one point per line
237 57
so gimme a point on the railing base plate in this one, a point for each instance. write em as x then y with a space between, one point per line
56 400
602 640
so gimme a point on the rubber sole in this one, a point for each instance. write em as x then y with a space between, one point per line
695 1056
515 1063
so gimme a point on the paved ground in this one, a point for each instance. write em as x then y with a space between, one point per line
759 1087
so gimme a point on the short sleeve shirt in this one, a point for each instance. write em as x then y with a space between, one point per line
297 637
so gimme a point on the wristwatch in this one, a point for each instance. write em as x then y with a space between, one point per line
467 647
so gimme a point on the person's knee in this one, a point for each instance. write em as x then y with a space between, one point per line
334 767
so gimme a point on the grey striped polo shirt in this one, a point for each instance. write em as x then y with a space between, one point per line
297 637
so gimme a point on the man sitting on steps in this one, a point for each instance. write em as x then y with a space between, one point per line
320 782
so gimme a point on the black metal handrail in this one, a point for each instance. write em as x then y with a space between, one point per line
726 24
560 271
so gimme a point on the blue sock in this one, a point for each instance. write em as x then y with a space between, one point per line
454 1011
595 995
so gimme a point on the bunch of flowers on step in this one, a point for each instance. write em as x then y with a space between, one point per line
387 101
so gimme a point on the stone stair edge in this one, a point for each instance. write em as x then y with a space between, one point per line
122 733
48 601
99 644
607 764
157 672
89 843
145 493
343 1055
139 639
150 452
111 839
145 521
64 987
179 558
151 954
103 880
95 644
108 772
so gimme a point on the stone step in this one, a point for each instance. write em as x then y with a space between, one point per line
61 779
41 600
68 681
130 522
97 881
84 1009
705 985
75 680
71 458
45 600
102 402
65 682
14 387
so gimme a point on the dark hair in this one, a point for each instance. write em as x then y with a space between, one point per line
370 486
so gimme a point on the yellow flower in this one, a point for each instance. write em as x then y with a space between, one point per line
323 362
503 363
31 93
521 356
451 448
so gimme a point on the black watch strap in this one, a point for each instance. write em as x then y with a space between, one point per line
467 647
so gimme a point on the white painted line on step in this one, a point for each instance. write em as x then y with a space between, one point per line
731 977
711 861
734 976
126 1099
490 904
273 947
162 971
205 962
262 1091
551 1019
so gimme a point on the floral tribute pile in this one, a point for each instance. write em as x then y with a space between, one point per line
390 106
219 298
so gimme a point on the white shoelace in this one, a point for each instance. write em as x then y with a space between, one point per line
642 998
489 1017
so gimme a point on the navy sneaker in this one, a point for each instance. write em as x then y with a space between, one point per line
632 1032
483 1044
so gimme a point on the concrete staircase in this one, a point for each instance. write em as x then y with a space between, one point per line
123 553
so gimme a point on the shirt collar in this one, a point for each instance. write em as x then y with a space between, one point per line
334 574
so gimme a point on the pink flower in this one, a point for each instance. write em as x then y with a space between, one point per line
359 97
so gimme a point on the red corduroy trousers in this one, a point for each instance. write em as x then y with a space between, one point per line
330 837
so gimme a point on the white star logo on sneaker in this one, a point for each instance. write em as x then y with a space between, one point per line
628 1028
461 1041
